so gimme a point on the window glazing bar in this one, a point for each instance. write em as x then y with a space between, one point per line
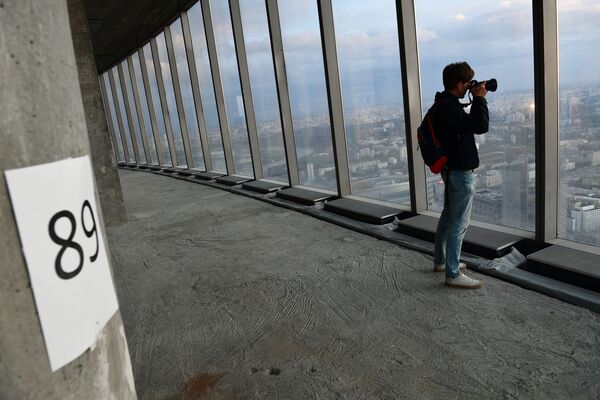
218 85
153 121
283 94
119 116
132 127
189 51
411 85
545 53
163 100
336 110
242 61
109 119
138 107
187 148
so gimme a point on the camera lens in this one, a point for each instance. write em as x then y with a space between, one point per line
491 85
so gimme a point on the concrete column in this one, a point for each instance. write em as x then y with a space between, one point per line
42 120
103 159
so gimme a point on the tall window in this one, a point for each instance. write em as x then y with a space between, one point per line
264 89
189 108
133 112
139 81
234 103
579 183
496 39
369 63
121 104
305 70
207 91
155 103
110 105
165 69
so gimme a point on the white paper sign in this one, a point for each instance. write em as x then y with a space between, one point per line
56 214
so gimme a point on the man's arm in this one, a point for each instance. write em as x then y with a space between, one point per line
478 120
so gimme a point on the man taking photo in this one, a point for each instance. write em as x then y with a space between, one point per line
456 132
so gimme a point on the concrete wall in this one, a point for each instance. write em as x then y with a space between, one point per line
42 120
103 159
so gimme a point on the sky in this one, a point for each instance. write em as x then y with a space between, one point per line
494 36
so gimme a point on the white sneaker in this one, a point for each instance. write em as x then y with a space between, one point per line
464 282
442 267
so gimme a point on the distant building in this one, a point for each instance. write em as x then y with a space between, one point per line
585 218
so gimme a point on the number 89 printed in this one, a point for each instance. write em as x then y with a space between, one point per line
69 243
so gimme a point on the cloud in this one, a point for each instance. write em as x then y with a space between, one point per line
458 17
578 6
425 35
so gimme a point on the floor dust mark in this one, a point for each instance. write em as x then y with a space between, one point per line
200 385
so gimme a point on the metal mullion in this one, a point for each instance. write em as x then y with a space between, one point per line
336 109
283 95
138 107
242 62
113 89
409 64
109 118
218 85
547 135
163 101
134 143
189 50
153 121
187 148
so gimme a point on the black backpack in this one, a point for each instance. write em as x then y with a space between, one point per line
429 144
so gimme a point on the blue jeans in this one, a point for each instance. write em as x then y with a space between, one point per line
453 223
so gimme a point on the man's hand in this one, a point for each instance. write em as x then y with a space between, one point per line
479 90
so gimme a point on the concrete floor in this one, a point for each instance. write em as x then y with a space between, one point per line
226 297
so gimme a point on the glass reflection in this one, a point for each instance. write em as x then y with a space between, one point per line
264 89
154 95
207 93
579 182
369 63
133 112
305 70
113 117
139 81
234 103
165 70
187 95
121 105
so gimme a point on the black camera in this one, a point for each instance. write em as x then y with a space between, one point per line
490 85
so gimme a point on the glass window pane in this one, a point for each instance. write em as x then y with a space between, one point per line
496 39
369 63
171 104
579 183
133 110
264 89
152 157
110 104
155 97
121 105
207 91
186 93
231 88
305 70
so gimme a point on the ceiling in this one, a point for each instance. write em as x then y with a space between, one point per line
118 27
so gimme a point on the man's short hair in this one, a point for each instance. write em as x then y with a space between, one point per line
455 73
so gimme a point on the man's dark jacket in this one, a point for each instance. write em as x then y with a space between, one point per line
456 129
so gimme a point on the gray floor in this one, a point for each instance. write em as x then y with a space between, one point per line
225 297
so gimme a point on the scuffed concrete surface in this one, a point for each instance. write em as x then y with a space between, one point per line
224 297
